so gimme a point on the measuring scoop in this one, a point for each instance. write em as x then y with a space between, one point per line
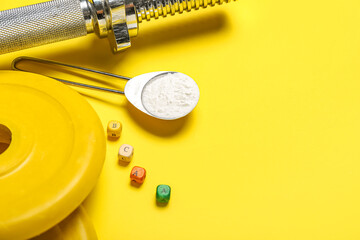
164 95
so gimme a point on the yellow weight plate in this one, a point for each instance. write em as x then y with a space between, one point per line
54 151
77 226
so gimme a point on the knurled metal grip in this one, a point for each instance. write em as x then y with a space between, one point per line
40 24
58 20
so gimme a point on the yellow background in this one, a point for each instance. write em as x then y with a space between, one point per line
271 151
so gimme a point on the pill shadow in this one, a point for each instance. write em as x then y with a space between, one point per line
158 127
123 164
161 205
135 184
112 139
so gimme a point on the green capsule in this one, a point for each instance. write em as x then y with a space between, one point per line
163 193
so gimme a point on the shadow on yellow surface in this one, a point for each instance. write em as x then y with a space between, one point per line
161 205
123 164
155 126
104 99
178 31
97 52
135 184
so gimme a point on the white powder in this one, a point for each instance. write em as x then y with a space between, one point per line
170 96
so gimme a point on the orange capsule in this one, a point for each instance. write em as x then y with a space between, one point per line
138 174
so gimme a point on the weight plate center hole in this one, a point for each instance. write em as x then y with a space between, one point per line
5 138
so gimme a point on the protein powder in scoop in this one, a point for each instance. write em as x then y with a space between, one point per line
170 95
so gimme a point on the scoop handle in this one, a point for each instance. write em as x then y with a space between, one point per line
16 62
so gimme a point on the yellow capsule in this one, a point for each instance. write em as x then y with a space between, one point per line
114 129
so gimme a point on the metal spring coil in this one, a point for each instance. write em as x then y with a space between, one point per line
154 8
